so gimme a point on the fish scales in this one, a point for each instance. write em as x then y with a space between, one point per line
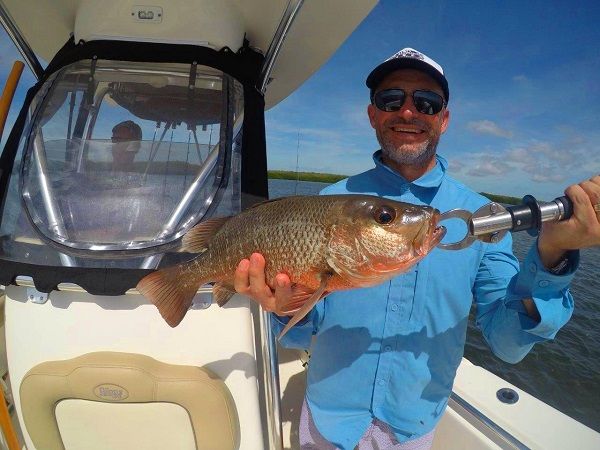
323 243
291 234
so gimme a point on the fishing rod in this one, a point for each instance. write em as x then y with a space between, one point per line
492 221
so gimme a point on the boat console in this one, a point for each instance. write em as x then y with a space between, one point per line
146 120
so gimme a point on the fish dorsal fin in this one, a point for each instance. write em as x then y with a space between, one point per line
272 200
196 240
222 293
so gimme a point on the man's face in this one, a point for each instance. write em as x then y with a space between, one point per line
123 140
406 136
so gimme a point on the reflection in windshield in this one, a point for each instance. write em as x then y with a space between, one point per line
116 154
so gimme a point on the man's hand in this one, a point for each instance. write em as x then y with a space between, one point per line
250 280
580 231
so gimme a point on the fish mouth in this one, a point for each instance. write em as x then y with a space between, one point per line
430 235
438 234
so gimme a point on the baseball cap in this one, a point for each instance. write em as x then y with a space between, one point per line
408 58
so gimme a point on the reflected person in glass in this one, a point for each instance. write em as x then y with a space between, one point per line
126 140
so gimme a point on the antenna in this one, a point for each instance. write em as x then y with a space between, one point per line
297 157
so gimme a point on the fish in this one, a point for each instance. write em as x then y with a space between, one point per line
324 243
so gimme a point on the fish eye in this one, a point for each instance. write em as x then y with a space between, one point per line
384 215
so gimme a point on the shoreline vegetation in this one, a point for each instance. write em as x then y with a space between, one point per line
332 178
305 176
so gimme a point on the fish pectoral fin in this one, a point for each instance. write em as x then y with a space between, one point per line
301 292
300 295
168 293
308 305
196 240
222 293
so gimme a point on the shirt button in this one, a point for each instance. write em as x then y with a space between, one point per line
544 283
394 308
387 348
381 382
532 267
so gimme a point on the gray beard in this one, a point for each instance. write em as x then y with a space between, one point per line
408 154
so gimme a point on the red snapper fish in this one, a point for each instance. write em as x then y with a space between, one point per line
324 243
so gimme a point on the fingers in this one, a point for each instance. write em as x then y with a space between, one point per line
581 201
283 294
241 281
249 279
586 205
256 276
585 196
283 286
592 188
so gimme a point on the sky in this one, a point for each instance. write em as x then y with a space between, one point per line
524 93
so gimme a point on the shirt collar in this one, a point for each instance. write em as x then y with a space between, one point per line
431 179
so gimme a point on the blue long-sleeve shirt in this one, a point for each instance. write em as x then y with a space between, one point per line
392 351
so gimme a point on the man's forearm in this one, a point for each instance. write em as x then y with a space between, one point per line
550 256
531 309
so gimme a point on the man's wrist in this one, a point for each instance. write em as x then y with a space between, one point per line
561 267
551 256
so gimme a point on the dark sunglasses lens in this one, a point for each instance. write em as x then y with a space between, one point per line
389 100
427 102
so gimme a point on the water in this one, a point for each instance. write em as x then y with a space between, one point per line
565 372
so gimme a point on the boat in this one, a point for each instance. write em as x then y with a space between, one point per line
88 362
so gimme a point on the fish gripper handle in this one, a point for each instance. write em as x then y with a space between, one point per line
531 214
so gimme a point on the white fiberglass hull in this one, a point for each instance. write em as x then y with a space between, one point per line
475 418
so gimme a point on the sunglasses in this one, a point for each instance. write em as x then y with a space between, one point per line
426 102
116 139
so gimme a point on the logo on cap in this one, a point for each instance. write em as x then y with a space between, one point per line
408 53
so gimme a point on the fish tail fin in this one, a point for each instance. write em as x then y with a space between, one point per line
171 294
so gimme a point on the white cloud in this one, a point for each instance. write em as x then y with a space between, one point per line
520 78
357 116
568 161
489 127
520 155
339 148
341 158
486 166
275 127
456 165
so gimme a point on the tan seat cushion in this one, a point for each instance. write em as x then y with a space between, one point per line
128 378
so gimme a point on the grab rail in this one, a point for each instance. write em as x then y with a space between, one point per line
484 424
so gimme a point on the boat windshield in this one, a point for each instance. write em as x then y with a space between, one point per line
124 155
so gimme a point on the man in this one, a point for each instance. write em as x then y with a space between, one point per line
384 358
126 139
